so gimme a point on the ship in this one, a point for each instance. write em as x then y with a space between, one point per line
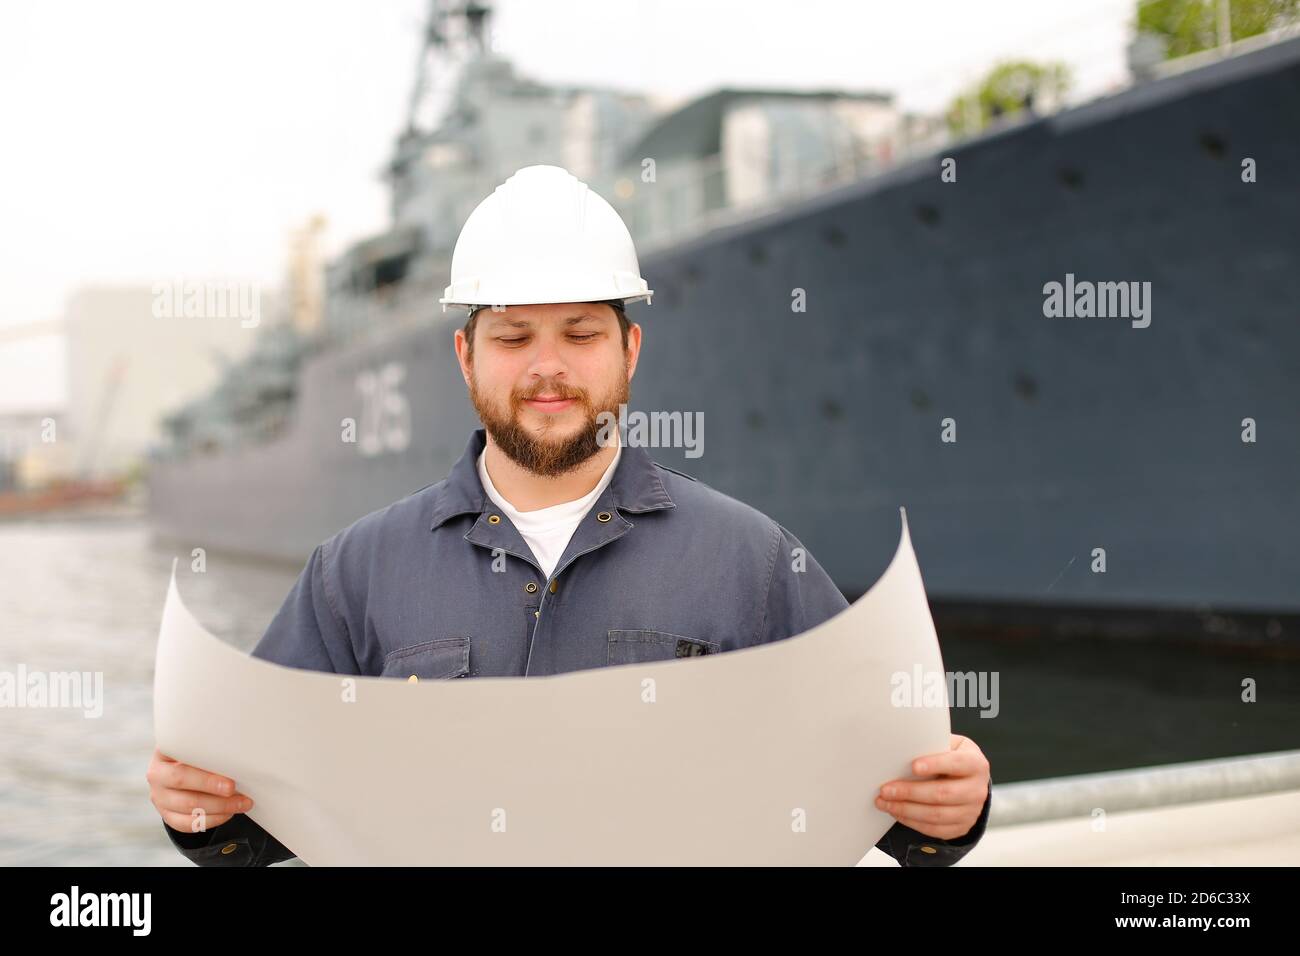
865 313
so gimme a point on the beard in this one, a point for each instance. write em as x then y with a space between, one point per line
541 453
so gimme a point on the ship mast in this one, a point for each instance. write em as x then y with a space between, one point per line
449 27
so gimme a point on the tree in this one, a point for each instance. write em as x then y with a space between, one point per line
1189 26
1009 88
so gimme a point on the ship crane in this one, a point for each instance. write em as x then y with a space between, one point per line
448 26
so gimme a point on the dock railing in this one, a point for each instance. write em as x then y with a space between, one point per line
1058 798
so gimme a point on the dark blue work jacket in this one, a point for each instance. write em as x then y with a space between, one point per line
441 585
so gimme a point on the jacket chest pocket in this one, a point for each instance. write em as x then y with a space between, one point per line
431 660
641 646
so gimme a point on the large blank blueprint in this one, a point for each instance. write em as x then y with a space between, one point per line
766 755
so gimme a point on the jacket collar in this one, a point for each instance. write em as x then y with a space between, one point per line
636 486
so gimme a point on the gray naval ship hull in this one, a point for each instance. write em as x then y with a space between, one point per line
925 302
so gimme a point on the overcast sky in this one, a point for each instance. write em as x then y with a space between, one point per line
145 140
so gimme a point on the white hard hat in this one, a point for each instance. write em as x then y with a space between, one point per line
543 236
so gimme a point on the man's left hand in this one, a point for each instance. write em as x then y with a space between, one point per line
947 806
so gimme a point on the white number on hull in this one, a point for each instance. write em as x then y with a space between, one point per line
385 424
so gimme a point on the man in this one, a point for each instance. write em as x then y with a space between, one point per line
549 548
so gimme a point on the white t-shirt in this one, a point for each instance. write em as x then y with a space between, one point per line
547 530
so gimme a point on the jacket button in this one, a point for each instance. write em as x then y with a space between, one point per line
229 848
494 519
928 849
604 516
531 587
555 585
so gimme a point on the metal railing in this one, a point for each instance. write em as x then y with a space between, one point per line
1060 798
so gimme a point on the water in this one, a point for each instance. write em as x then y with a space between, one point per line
1071 706
88 596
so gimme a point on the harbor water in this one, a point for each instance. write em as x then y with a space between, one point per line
81 595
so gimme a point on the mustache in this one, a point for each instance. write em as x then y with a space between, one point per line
563 391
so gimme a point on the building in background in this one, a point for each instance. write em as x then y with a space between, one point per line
127 367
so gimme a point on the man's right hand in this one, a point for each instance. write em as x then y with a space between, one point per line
177 790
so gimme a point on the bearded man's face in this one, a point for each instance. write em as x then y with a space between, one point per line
541 375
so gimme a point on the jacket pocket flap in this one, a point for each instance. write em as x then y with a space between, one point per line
641 646
431 660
